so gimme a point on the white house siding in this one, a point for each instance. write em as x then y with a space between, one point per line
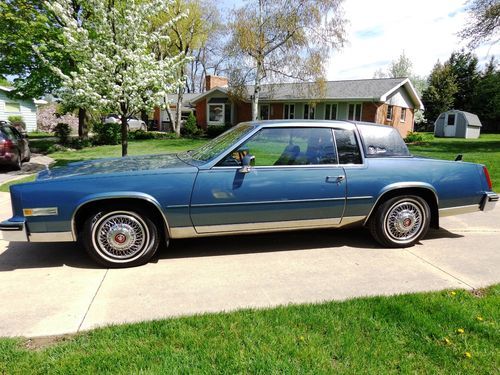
400 98
27 110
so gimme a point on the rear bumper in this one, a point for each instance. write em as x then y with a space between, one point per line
16 231
489 201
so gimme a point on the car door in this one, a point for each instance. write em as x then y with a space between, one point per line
21 142
296 182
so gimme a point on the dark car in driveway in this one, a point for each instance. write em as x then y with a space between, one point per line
14 146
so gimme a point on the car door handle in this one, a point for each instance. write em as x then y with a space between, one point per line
335 179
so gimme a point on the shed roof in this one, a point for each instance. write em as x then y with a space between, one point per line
471 118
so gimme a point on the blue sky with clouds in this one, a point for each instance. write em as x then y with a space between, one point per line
379 31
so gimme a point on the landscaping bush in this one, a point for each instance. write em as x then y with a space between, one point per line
215 130
414 137
107 134
190 128
141 134
79 143
62 131
17 122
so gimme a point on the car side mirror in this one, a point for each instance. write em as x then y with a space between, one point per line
247 163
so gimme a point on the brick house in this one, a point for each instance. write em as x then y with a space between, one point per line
389 101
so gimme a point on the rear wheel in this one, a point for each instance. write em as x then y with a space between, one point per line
120 238
18 163
400 221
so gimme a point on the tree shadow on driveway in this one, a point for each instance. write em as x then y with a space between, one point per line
47 255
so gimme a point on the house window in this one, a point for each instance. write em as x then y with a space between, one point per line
390 110
264 112
216 114
12 107
331 112
451 119
289 111
308 112
354 112
403 115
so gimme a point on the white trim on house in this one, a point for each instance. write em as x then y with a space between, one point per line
209 92
331 104
355 104
209 122
411 91
289 105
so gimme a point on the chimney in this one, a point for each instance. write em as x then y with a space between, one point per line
215 81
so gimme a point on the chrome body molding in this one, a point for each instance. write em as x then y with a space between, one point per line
450 211
267 202
41 211
139 197
51 237
401 185
273 226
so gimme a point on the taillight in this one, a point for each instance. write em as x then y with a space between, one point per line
6 145
488 179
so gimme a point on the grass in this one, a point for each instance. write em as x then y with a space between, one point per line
484 150
442 332
140 147
5 187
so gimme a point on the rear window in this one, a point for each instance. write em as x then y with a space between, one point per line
381 141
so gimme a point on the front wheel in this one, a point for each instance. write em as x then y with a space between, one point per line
400 221
119 239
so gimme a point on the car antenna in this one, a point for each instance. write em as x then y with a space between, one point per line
459 157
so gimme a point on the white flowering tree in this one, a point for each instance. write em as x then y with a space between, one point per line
116 70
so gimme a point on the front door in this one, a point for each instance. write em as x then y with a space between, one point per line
296 182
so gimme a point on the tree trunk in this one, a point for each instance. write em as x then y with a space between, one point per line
178 113
256 92
82 123
145 117
124 131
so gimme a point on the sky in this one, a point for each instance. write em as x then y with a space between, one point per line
378 32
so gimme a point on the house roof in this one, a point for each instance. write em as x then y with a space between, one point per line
36 101
360 89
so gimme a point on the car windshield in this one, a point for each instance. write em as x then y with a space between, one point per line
218 145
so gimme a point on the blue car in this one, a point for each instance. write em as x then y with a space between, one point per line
256 177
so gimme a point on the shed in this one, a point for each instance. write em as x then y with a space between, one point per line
457 124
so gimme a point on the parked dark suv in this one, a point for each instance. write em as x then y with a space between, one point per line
14 147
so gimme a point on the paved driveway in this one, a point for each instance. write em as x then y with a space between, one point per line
48 289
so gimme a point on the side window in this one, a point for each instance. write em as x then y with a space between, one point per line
16 133
287 146
347 147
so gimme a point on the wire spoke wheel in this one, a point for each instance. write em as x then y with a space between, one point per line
120 236
404 221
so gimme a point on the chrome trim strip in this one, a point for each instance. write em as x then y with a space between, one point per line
401 185
458 210
51 237
361 197
276 226
141 197
267 202
178 206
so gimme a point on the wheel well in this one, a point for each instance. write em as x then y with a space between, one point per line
424 193
87 209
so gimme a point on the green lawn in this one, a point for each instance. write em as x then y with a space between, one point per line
444 332
485 150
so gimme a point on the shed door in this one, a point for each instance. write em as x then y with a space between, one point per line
450 127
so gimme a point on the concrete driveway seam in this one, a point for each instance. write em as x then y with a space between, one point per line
440 269
92 300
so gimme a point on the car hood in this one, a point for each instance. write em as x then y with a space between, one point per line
115 165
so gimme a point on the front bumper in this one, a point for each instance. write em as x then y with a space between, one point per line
13 231
489 201
16 231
